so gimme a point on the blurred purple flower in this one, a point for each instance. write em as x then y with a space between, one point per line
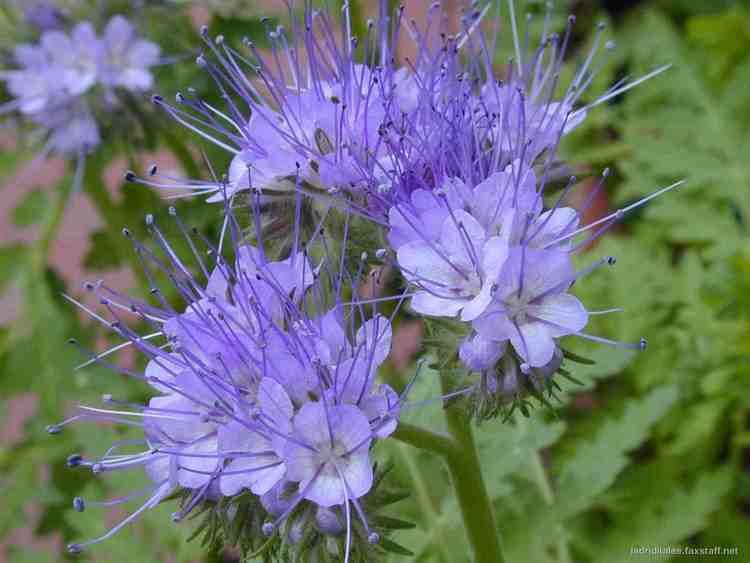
42 14
456 163
124 58
53 83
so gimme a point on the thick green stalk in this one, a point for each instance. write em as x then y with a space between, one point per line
426 439
471 492
462 459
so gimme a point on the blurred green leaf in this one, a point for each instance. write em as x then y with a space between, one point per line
725 36
598 460
235 29
666 517
678 125
102 253
31 210
12 261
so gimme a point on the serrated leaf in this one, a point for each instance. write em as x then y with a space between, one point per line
504 448
699 423
666 518
599 460
724 35
673 108
522 542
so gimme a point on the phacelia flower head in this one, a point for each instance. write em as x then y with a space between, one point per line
342 113
55 80
264 390
42 14
473 226
125 58
316 107
455 156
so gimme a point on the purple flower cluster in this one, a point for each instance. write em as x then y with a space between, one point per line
313 112
259 387
42 14
492 256
455 162
54 76
477 218
337 111
473 227
266 378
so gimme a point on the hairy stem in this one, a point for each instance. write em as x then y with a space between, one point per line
471 492
460 454
426 439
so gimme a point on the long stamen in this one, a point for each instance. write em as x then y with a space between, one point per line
617 214
153 501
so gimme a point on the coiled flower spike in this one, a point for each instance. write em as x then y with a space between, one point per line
455 159
265 392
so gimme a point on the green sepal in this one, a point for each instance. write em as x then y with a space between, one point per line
392 547
391 523
573 357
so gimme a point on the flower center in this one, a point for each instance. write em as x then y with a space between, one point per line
328 453
516 308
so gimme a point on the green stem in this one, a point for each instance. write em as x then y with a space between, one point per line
51 225
426 439
460 454
471 492
540 477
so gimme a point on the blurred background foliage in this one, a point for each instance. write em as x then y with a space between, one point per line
651 449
